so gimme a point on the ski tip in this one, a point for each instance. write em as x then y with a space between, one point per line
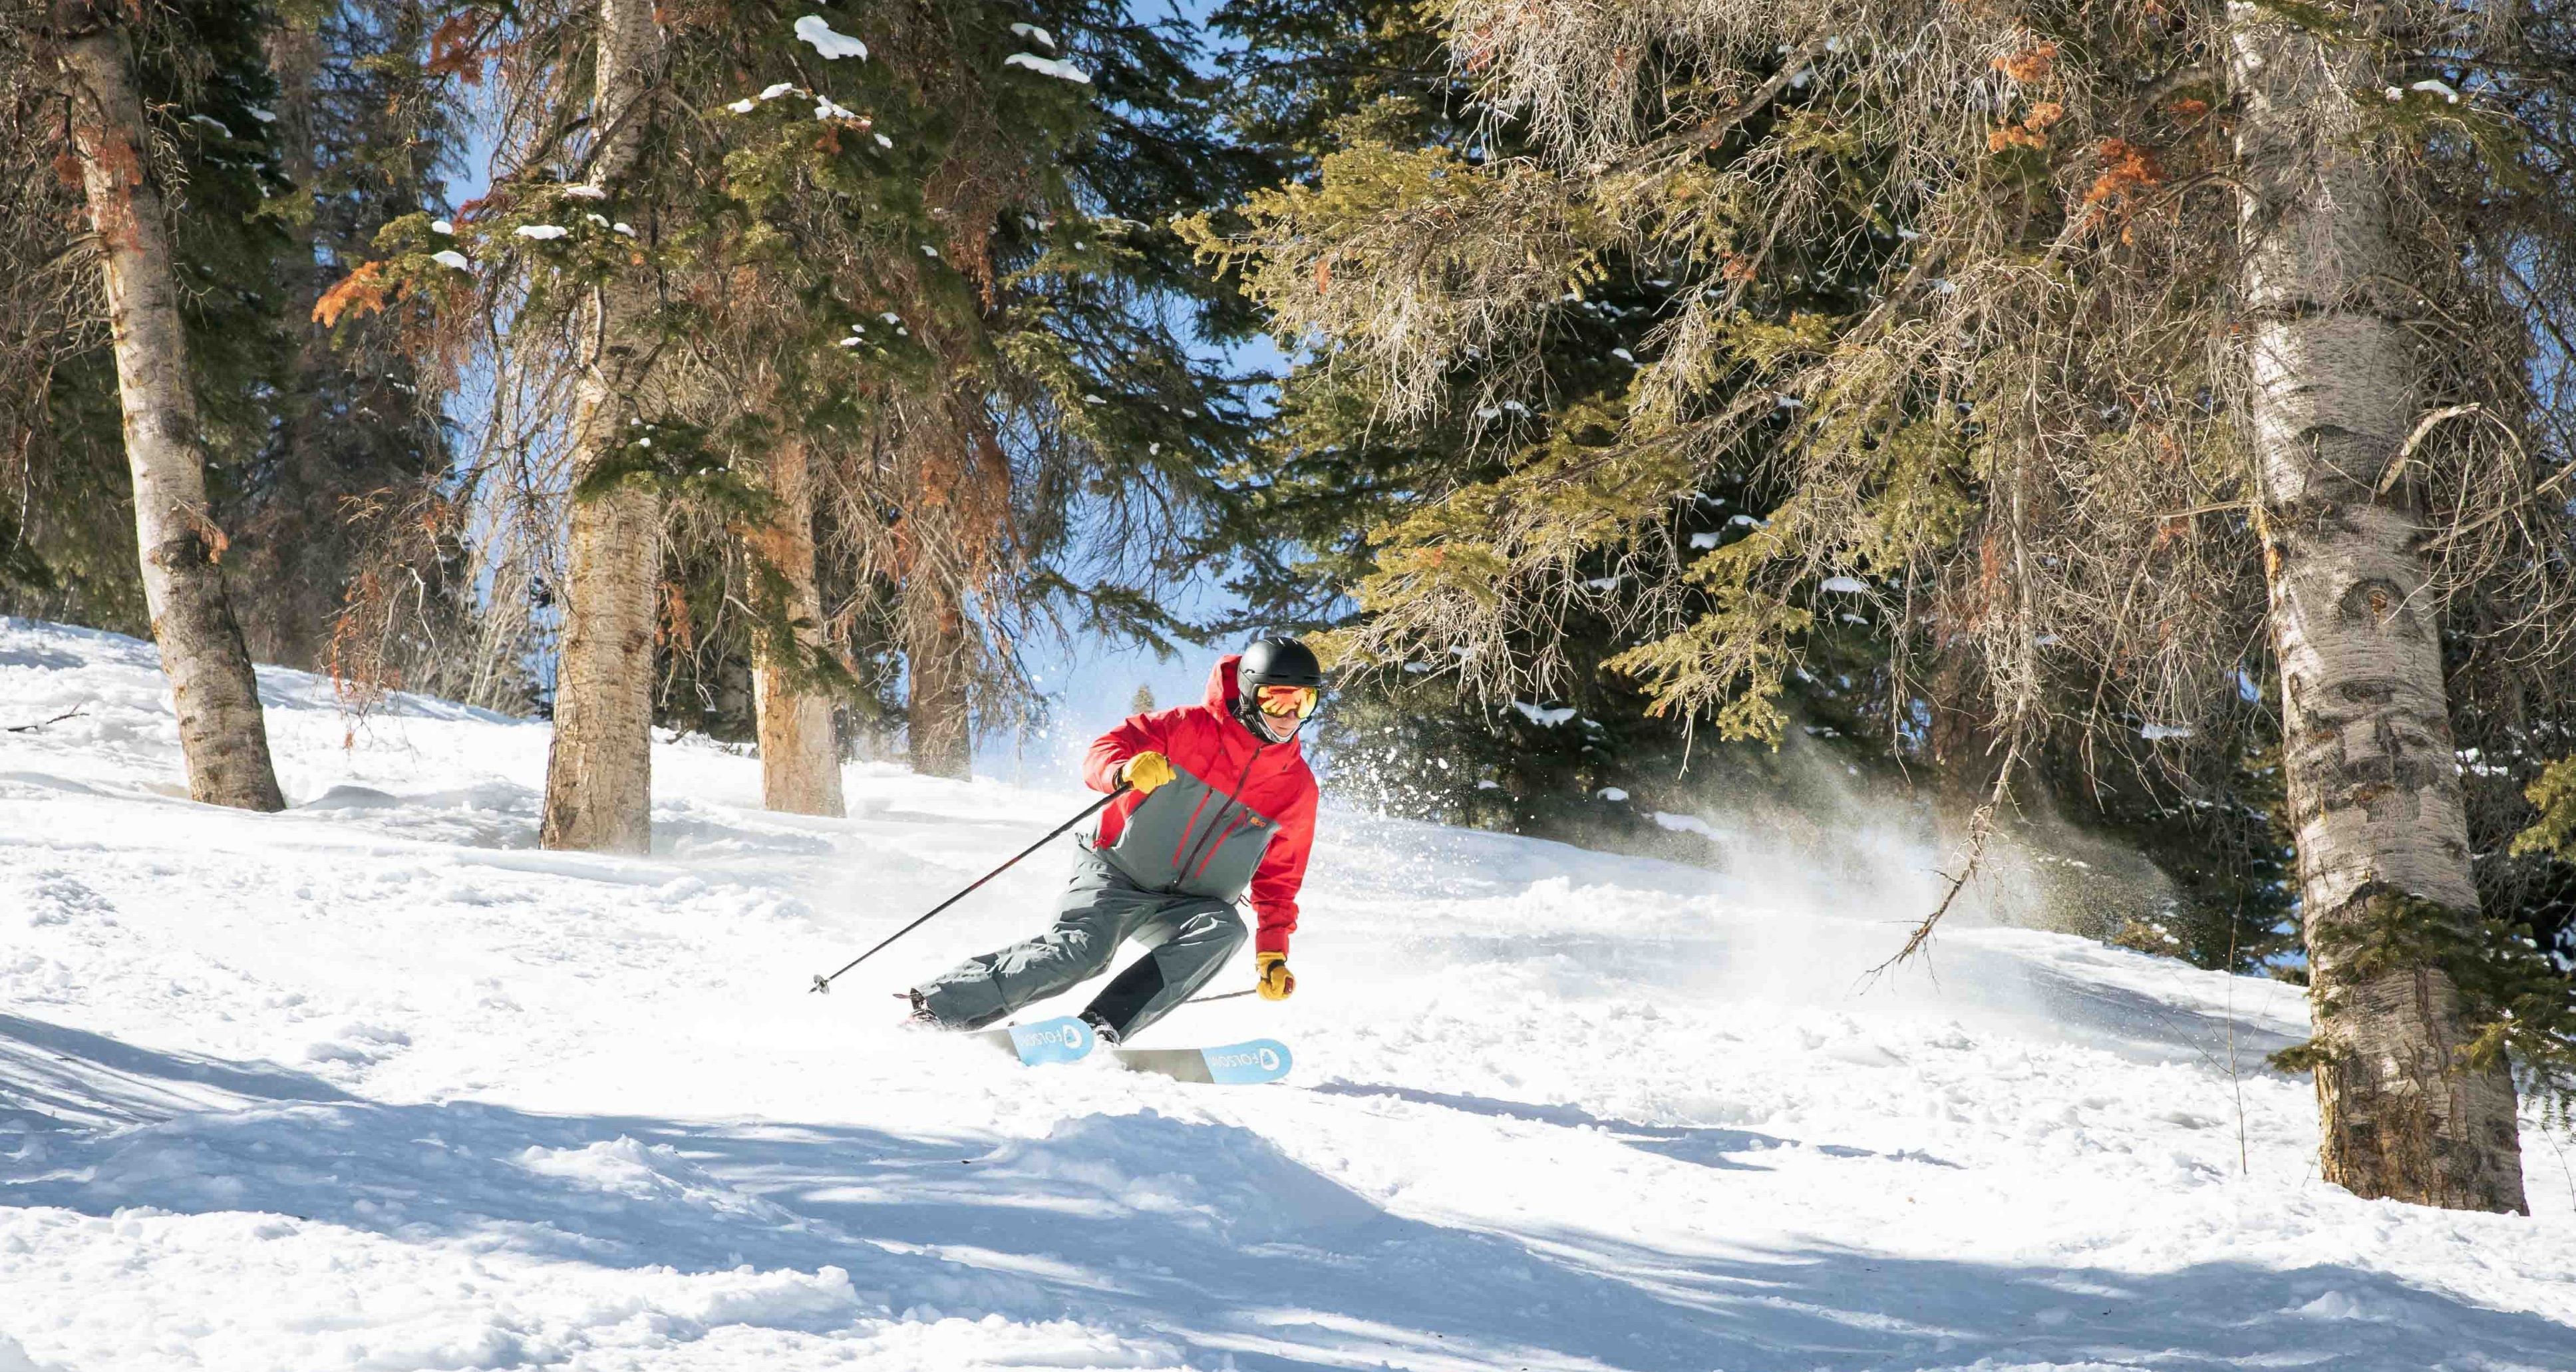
1248 1063
1049 1041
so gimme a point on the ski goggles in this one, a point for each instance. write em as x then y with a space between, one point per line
1285 700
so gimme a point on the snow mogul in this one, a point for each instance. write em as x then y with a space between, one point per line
1218 803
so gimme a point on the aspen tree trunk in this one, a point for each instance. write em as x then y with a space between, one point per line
222 732
936 653
2373 785
599 774
800 761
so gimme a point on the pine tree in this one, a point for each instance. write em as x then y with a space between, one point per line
355 424
927 245
800 755
1312 78
280 183
1030 388
1308 81
2024 460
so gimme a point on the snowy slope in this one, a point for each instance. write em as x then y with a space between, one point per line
376 1083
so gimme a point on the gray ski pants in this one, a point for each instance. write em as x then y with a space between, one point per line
1189 938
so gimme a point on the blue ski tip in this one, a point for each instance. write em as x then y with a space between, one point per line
1248 1063
1058 1040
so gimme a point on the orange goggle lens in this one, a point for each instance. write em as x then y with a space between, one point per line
1281 700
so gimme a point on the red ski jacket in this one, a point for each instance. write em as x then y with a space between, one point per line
1239 812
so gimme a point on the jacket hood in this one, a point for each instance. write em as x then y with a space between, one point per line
1221 692
1222 695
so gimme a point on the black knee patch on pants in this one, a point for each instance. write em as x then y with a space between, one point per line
1127 993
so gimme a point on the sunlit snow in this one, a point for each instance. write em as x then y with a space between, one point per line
1542 716
833 46
378 1082
1047 66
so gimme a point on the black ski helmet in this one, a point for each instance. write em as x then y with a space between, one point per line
1276 661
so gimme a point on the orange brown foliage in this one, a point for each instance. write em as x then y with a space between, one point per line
2028 65
677 631
365 290
456 48
2031 132
2127 169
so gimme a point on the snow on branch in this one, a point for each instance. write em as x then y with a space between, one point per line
1048 66
833 46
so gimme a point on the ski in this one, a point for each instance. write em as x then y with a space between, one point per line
1248 1063
1042 1042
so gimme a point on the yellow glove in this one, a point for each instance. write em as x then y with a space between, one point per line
1145 771
1277 982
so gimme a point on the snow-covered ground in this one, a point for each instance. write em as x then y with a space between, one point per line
375 1083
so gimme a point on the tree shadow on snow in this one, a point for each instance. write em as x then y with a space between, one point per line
1196 1231
52 1075
505 815
1705 1145
2142 1028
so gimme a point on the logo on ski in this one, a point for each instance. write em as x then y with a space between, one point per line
1259 1059
1232 1064
1060 1040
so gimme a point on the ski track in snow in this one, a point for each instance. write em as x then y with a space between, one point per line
376 1083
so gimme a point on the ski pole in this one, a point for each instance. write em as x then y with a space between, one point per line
824 983
1230 995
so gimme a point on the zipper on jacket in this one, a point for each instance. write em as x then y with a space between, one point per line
1186 828
1222 811
1229 832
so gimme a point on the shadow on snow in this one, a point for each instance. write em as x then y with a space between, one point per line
1192 1230
1705 1145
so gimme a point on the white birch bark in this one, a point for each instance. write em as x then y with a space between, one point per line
223 733
800 761
2373 785
599 773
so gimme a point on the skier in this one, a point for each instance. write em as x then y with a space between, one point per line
1219 801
